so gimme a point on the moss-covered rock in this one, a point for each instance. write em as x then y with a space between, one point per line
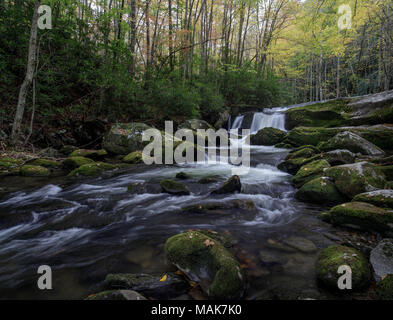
219 207
9 166
232 185
195 124
124 138
205 261
362 215
75 162
207 180
331 258
116 295
34 171
352 142
45 163
385 288
379 198
67 150
321 191
309 172
381 259
91 169
182 176
144 187
133 158
267 137
174 187
157 286
339 157
387 171
92 154
302 152
360 177
293 165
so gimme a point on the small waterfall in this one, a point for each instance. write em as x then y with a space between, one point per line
238 122
267 119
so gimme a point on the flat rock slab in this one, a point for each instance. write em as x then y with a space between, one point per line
301 244
381 259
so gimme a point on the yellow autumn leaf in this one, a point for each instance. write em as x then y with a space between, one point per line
163 279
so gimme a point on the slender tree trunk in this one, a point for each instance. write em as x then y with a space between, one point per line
133 36
29 76
338 78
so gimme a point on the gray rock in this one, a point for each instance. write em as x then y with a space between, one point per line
301 244
339 156
195 124
381 259
380 198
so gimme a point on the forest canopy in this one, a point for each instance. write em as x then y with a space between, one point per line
153 60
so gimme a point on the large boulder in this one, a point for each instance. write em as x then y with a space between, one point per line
205 261
195 124
331 258
352 179
381 258
307 151
75 162
352 142
380 198
124 138
157 286
309 172
361 215
133 158
267 137
320 190
294 164
339 157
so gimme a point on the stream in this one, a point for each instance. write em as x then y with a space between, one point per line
85 229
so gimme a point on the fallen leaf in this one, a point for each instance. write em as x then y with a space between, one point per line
208 243
179 273
163 279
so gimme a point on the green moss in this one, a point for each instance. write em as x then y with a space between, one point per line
34 171
174 187
91 169
385 288
93 154
9 166
363 215
267 137
293 165
205 260
388 172
309 136
352 179
45 163
309 172
133 158
380 198
321 191
76 162
331 258
304 152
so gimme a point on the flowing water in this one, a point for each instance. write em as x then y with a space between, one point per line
85 229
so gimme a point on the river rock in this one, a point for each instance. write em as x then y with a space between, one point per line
320 190
91 169
388 172
361 215
195 124
232 185
164 286
339 157
302 152
331 258
292 166
352 179
216 207
92 154
309 172
352 142
34 171
302 244
207 180
44 163
205 261
116 295
49 153
124 138
75 162
380 198
67 150
9 166
385 288
381 258
174 187
182 176
133 157
144 187
267 137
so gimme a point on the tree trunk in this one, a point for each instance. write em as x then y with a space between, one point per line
29 76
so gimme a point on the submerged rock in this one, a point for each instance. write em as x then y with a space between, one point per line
361 215
331 258
207 180
309 172
124 138
174 187
143 187
267 137
182 176
75 162
352 142
352 179
205 261
380 198
339 157
34 171
320 190
164 286
381 258
133 157
232 185
301 244
116 295
216 207
385 288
